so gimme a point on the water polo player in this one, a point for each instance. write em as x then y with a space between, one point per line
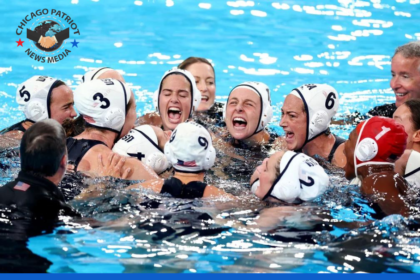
41 98
205 79
146 143
247 112
109 111
306 115
371 151
175 100
408 114
289 176
191 153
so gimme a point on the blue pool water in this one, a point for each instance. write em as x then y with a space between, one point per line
347 44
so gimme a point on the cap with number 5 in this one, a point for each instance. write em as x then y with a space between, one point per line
190 148
34 97
321 104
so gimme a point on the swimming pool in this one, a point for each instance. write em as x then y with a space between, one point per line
347 44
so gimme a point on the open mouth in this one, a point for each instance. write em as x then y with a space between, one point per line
400 94
239 123
289 136
174 114
204 98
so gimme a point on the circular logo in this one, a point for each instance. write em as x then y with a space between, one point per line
48 28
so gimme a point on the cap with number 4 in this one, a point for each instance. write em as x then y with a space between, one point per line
190 148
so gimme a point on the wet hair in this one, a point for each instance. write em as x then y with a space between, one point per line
409 50
192 60
414 106
55 85
42 147
74 127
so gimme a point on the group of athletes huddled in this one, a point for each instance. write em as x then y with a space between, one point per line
107 138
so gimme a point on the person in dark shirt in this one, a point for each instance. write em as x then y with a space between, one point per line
30 204
43 155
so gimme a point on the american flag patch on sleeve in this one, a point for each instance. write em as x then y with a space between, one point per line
21 186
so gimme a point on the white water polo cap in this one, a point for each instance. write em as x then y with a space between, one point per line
190 148
196 94
301 177
94 74
263 92
321 104
142 142
103 103
34 97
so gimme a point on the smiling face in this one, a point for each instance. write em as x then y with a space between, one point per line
267 173
174 101
243 111
162 136
293 121
349 147
204 79
403 116
62 103
405 80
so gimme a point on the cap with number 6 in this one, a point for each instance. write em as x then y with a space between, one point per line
190 148
321 104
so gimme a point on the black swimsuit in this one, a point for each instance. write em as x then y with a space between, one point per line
338 142
77 148
177 189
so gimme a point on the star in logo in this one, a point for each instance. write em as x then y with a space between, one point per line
74 43
20 43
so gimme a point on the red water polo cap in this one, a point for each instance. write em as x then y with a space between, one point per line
380 140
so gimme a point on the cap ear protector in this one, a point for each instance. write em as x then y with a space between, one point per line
142 142
366 150
35 110
195 93
380 141
255 185
94 74
34 97
266 112
190 148
321 103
